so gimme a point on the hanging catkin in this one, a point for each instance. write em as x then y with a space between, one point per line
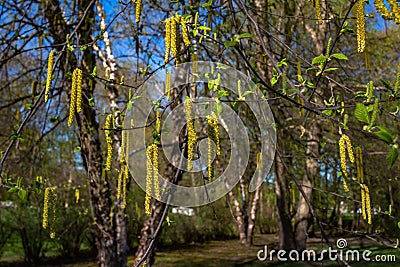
318 10
360 25
192 137
344 143
49 210
50 61
109 140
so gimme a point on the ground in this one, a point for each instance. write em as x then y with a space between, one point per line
230 253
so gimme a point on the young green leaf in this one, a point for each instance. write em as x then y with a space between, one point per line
217 109
330 69
361 113
392 155
327 112
319 60
243 35
385 134
228 44
22 193
339 56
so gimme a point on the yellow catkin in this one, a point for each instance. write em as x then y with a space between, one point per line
123 144
318 11
192 137
344 143
345 186
77 195
155 172
158 122
109 140
73 100
168 85
53 209
78 84
149 178
397 84
374 112
50 61
46 203
213 135
178 38
210 168
368 204
360 25
167 39
185 35
383 10
213 123
360 178
396 10
125 186
119 183
49 208
174 38
138 10
363 207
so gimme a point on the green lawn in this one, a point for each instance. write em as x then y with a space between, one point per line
228 254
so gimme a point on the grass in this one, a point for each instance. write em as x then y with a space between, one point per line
230 253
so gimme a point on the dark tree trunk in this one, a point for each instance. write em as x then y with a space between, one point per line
88 128
286 237
303 215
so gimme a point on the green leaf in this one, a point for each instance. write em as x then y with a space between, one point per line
94 71
309 85
319 60
385 134
291 91
13 189
217 109
392 155
204 28
330 69
310 69
361 113
136 97
208 4
327 112
76 149
129 106
22 193
247 92
340 56
70 47
228 44
243 35
344 127
398 224
222 93
282 63
274 80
